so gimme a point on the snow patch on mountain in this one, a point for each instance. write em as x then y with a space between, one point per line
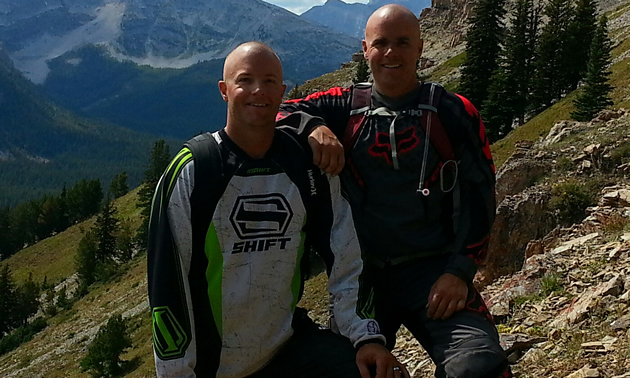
32 59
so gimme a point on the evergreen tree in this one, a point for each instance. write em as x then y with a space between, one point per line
7 243
550 79
160 158
483 45
85 260
63 301
595 96
53 216
50 307
581 32
106 227
84 199
363 72
118 187
103 356
8 300
28 300
124 240
508 93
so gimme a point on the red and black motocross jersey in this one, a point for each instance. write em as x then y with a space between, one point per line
393 220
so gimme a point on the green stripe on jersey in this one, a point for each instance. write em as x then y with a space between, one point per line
214 276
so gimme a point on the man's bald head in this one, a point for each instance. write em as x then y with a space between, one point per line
392 47
391 13
250 50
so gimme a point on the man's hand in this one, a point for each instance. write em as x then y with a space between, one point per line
447 296
375 356
328 152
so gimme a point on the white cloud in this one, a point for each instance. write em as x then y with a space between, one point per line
301 6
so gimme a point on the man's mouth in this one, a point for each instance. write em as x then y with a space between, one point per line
391 65
258 105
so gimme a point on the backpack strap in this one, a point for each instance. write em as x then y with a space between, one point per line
205 150
210 182
359 107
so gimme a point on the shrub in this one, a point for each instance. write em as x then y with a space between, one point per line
21 335
570 200
103 357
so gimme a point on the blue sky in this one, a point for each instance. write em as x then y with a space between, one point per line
301 6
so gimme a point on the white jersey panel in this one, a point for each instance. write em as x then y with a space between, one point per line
259 222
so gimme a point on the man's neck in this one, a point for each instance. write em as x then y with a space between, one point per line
255 142
397 92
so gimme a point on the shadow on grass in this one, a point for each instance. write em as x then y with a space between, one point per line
130 366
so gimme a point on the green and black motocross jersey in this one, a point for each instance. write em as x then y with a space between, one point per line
225 257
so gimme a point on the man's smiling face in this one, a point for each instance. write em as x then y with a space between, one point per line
252 87
392 47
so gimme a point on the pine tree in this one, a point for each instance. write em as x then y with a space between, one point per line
363 72
84 199
7 243
28 300
63 301
103 356
124 240
550 80
106 227
483 45
581 32
160 158
508 93
595 96
8 300
118 187
85 260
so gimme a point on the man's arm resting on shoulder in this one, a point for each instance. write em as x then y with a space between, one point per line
333 109
328 153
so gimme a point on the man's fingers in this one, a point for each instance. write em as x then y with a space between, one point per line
341 161
450 310
324 162
434 302
317 151
364 370
440 308
461 304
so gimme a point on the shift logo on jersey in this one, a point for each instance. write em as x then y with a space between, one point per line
259 216
169 338
406 141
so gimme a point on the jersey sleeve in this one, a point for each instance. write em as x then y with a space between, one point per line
169 257
477 188
332 108
338 244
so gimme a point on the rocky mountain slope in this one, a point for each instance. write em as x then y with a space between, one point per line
350 18
164 33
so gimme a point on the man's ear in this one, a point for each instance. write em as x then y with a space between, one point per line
364 44
223 90
284 89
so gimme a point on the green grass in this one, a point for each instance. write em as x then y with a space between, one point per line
537 127
448 66
54 257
